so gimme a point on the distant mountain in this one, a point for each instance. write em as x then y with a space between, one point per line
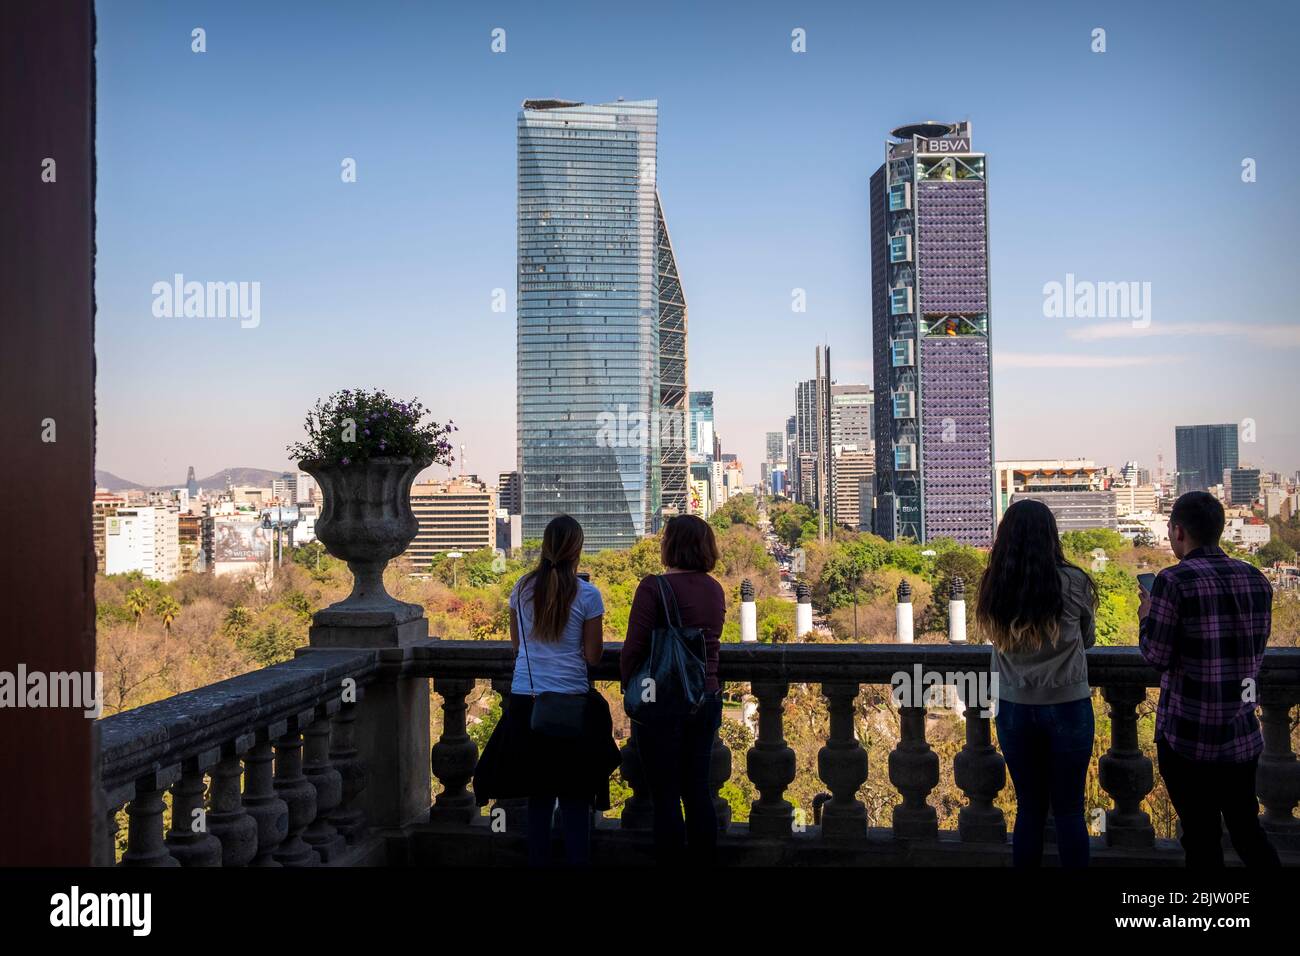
106 479
261 477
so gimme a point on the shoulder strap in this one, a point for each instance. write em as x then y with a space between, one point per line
519 612
670 602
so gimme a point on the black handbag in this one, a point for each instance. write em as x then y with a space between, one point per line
554 714
670 682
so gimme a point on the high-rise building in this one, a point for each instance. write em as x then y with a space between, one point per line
852 408
458 514
602 324
1203 453
700 442
508 492
930 325
854 468
144 539
191 483
285 488
1241 485
103 506
775 447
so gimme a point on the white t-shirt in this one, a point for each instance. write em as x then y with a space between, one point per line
557 666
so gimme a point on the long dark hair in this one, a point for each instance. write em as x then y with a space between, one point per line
1020 601
555 579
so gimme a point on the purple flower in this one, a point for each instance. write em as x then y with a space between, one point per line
346 461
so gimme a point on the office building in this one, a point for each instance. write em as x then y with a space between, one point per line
509 492
1241 486
104 505
852 409
1203 454
601 337
458 514
1072 489
930 334
143 539
775 447
854 469
700 443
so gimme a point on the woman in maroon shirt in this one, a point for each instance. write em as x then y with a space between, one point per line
676 754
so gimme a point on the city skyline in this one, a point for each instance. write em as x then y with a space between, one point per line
390 280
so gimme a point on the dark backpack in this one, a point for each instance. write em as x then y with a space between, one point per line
674 670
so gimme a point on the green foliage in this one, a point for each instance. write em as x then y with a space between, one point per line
355 425
739 509
1276 550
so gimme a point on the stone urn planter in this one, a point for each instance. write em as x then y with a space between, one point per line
366 521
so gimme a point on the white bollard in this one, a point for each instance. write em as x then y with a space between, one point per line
803 612
957 612
903 614
748 613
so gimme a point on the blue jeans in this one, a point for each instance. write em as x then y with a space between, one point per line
575 819
1047 748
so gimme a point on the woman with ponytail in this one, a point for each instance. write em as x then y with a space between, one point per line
556 621
1039 612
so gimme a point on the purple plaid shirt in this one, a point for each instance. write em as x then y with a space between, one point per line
1208 623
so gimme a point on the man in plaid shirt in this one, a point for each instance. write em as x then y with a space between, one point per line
1204 628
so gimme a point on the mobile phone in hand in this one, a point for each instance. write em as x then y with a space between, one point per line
1147 581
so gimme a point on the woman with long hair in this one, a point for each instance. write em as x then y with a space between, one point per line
555 742
1039 612
677 753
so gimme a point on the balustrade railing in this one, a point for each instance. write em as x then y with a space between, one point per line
287 766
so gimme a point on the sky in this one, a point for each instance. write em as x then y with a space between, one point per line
1117 166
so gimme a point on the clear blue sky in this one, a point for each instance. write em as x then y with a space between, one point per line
1119 166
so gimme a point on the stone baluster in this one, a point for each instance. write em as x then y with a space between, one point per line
348 817
638 810
454 756
980 772
1125 772
719 774
770 763
145 845
260 801
297 793
1277 780
842 765
228 821
110 806
321 835
190 839
515 808
914 772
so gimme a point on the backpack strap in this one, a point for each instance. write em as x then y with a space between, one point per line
671 611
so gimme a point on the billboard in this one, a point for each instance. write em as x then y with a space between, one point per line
240 539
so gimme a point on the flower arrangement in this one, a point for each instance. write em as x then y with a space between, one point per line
355 425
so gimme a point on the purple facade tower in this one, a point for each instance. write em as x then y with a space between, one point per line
930 337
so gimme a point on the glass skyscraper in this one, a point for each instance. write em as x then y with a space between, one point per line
1203 453
930 337
601 338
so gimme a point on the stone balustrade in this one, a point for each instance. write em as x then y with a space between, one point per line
330 778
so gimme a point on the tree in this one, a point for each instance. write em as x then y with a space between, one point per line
1274 551
166 608
237 622
137 603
